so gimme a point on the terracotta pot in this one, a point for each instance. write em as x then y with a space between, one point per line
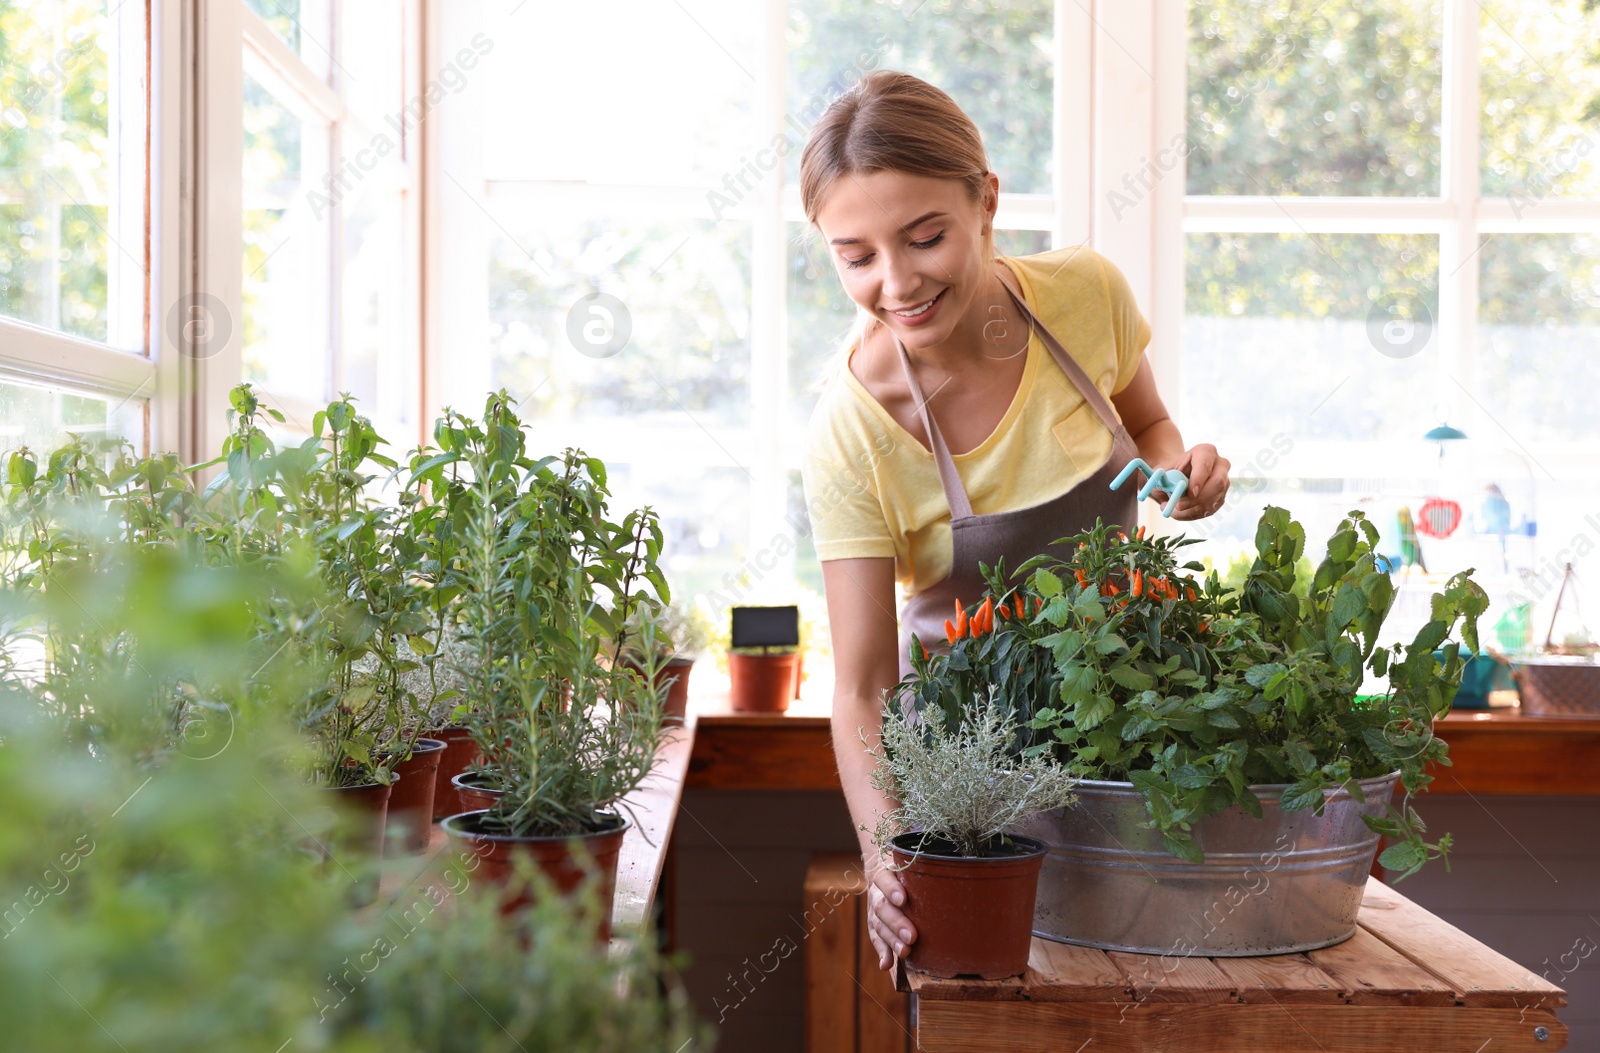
762 683
675 674
973 916
473 794
561 859
799 672
411 798
460 753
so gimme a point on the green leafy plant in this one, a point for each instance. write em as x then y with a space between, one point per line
959 782
1193 694
542 577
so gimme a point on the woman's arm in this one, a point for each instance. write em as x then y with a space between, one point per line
866 661
1160 445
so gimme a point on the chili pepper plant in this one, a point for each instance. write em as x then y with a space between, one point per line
1128 666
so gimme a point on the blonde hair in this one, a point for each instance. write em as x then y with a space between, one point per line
892 122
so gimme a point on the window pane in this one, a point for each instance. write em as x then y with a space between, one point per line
594 318
820 318
705 520
630 91
72 146
1540 326
1327 99
286 249
1021 242
1338 328
377 360
372 51
43 418
304 25
1541 97
994 60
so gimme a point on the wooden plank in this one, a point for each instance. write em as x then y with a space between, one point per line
750 752
1504 752
1153 1027
1283 979
654 808
830 990
883 1014
1165 978
1064 972
1477 974
965 988
1370 972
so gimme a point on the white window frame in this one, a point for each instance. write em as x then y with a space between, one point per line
459 194
128 365
1148 241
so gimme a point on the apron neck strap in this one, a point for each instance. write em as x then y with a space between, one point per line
955 492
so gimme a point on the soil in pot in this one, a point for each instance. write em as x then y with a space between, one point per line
472 790
411 798
973 915
460 753
762 683
566 861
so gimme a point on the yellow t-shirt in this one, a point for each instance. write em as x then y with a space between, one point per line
873 490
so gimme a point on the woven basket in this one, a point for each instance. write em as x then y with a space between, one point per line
1559 686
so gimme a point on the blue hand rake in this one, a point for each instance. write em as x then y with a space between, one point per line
1174 482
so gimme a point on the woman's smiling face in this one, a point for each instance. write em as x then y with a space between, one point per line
909 249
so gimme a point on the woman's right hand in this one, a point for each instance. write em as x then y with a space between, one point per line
889 929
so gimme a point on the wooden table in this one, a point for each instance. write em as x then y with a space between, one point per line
1406 982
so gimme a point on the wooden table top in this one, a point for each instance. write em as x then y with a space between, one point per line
1407 981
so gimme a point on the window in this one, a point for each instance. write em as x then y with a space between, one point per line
74 259
328 176
640 263
1389 223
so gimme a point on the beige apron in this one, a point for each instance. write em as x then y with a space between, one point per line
1018 535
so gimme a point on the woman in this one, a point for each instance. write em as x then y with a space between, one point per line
959 427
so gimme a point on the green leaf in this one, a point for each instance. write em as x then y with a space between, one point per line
1403 855
1129 677
1301 795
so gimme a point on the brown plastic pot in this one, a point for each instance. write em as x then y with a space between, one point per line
762 683
675 674
357 844
566 861
460 752
470 789
973 916
411 798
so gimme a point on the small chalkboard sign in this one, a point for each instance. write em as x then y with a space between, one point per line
766 627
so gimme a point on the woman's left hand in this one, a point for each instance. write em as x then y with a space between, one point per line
1208 482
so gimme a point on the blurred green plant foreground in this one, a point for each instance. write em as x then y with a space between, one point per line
158 890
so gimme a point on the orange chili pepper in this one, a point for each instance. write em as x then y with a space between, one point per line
1002 612
1139 533
1022 606
1204 626
1109 589
959 609
961 623
1138 582
950 633
1191 593
1083 579
987 611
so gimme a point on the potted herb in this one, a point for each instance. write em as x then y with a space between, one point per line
1214 726
961 785
669 636
544 576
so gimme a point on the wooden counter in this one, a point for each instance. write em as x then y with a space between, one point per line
1500 751
1406 981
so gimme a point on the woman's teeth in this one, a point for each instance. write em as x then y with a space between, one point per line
919 310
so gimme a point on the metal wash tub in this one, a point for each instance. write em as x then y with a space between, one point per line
1289 881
